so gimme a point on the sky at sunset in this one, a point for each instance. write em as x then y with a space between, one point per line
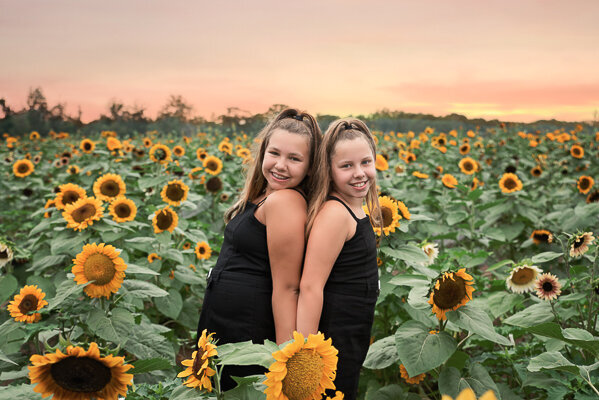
511 60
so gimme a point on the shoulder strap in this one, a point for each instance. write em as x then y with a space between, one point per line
261 202
345 205
300 192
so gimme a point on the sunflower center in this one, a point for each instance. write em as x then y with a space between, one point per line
578 242
522 276
22 168
450 293
468 166
542 237
584 184
174 192
81 374
69 197
28 304
212 165
214 184
164 220
510 184
198 362
110 188
87 146
202 250
99 268
304 371
547 286
576 151
3 254
387 216
84 212
160 154
122 210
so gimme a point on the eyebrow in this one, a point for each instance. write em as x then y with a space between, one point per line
270 147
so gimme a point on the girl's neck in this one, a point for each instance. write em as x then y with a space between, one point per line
354 203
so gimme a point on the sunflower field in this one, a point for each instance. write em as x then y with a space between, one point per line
488 268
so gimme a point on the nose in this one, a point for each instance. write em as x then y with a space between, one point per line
358 172
280 164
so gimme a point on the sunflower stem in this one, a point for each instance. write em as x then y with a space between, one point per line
592 301
219 394
555 314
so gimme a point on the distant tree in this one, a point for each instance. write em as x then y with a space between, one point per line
36 101
176 107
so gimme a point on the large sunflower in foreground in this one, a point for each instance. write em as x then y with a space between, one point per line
79 374
82 213
213 165
510 183
101 265
29 299
160 154
165 219
468 394
522 278
390 214
302 370
174 192
109 186
122 209
22 168
68 194
451 291
199 369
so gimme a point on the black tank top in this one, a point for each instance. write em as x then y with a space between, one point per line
356 263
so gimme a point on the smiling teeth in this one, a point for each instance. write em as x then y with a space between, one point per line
358 185
281 177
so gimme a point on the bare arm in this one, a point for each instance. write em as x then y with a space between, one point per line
285 220
329 233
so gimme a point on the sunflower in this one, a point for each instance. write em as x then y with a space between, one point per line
34 135
539 236
338 396
100 265
73 170
584 184
522 278
302 370
147 142
203 250
109 186
464 149
213 165
214 184
412 381
449 181
243 153
160 154
194 173
476 183
390 214
201 154
593 197
113 143
468 394
174 192
22 168
419 175
510 183
80 375
579 244
122 209
226 147
577 151
468 165
536 171
68 193
165 219
451 291
152 257
6 254
82 213
548 287
403 209
198 367
432 251
29 299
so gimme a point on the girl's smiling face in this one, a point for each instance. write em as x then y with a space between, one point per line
352 169
286 160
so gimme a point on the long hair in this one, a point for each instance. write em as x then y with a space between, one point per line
290 120
338 130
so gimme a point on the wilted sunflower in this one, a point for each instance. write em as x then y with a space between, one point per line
122 209
203 250
412 381
302 370
174 192
548 287
593 197
468 394
522 278
451 291
214 184
584 184
468 165
29 299
449 181
432 251
109 186
579 244
390 214
165 219
510 183
100 265
536 171
79 374
577 151
82 213
68 193
160 154
226 147
6 254
539 236
22 168
213 165
198 367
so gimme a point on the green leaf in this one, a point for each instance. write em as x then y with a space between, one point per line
499 265
19 392
48 261
552 360
574 336
189 276
145 343
39 228
410 280
382 353
476 321
495 234
184 393
45 284
175 255
481 381
455 217
170 305
151 181
196 236
246 353
69 246
530 316
115 329
389 392
512 230
153 364
408 253
142 289
450 382
418 298
12 375
4 358
8 286
501 302
138 269
420 351
64 291
545 257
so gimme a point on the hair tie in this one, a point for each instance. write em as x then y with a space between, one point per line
347 126
298 117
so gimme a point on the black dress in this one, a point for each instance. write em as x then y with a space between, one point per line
349 299
238 300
